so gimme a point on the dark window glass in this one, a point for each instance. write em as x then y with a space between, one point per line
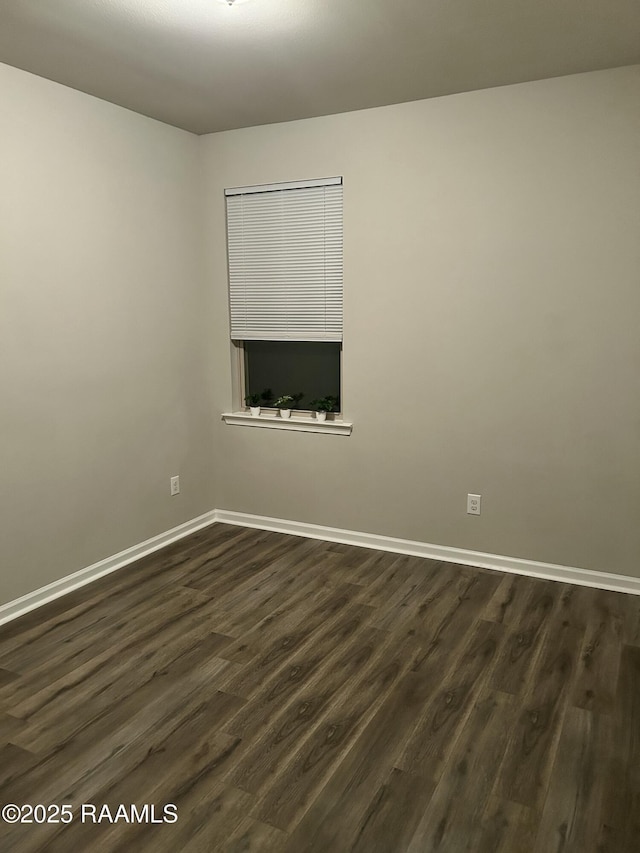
291 367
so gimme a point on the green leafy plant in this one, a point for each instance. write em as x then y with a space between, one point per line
262 399
283 402
325 404
288 401
252 400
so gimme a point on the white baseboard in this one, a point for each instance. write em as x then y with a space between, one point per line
547 571
41 596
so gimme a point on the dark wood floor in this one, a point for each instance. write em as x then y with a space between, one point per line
296 696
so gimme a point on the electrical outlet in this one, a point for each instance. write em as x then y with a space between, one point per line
473 504
175 486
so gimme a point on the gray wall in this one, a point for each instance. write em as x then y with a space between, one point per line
103 371
492 296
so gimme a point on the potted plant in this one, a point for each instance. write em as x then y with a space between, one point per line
255 401
324 405
286 403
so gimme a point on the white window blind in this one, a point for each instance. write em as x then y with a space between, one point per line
285 261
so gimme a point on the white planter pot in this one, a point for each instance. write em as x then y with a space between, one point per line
321 416
255 411
285 413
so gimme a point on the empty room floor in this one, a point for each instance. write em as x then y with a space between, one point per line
284 694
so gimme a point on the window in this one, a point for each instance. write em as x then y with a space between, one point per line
285 287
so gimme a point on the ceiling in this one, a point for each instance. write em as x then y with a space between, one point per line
205 66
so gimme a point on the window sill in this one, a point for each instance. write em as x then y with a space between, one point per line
299 423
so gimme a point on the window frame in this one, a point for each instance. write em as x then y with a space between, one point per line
303 419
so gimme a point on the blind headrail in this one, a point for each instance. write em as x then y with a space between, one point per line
289 185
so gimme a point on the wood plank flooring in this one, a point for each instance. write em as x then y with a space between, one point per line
297 696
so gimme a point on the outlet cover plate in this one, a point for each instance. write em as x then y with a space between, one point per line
473 504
